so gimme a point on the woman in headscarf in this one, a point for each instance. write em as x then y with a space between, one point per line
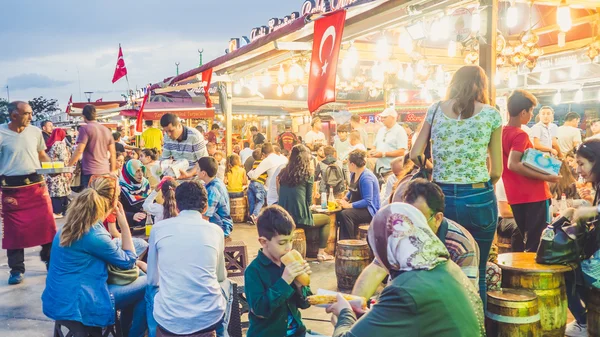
134 191
429 295
59 185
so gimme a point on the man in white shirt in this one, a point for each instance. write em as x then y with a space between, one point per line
246 152
569 135
543 134
341 143
315 136
272 164
391 141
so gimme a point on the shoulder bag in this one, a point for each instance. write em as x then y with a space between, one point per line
424 172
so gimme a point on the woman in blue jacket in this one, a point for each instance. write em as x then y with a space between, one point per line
362 200
76 285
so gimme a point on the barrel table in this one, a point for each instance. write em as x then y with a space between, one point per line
512 313
239 209
352 256
333 229
299 241
520 271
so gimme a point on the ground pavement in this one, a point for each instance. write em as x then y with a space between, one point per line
21 306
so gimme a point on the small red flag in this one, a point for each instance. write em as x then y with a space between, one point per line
68 111
323 65
99 100
140 116
120 70
206 78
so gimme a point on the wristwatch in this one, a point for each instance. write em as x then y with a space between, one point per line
383 155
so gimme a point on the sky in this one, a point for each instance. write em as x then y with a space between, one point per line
54 48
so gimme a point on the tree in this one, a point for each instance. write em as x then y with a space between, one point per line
3 111
43 108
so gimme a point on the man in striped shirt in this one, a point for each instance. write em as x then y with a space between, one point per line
182 143
463 249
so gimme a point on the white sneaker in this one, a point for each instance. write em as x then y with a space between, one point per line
58 216
575 329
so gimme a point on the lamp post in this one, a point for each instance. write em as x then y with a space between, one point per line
88 95
7 94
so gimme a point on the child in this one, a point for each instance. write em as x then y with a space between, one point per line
332 174
236 177
526 189
257 194
355 143
218 210
168 209
221 162
272 292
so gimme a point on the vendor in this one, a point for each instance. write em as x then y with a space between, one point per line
362 201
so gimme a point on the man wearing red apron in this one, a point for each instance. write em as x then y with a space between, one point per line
27 219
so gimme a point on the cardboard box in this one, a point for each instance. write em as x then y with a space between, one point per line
541 162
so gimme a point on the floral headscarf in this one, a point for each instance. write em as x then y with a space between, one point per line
134 191
403 241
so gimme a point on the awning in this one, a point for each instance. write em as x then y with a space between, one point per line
155 110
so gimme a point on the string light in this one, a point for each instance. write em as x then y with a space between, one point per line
266 79
409 73
377 73
557 98
253 85
563 16
382 48
279 90
512 15
579 96
281 78
562 39
452 48
405 42
545 77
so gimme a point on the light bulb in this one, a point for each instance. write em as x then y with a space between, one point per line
406 42
400 73
575 70
452 48
402 96
409 73
579 96
562 39
475 21
300 92
512 15
545 77
513 80
557 98
253 84
383 48
279 90
377 72
281 78
563 16
237 88
266 79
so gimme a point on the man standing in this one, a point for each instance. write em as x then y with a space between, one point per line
27 218
211 136
47 128
95 147
341 143
152 138
272 164
257 137
357 126
543 134
315 136
569 135
246 152
182 143
391 142
287 139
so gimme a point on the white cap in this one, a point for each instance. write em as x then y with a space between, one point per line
389 112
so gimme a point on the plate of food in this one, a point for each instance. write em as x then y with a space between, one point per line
325 298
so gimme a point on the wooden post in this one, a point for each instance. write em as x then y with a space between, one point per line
227 107
487 51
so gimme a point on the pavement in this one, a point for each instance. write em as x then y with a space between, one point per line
21 306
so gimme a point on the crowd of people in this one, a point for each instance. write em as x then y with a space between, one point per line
435 200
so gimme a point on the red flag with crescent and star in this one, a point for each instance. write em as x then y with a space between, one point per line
140 116
323 65
68 110
120 69
206 78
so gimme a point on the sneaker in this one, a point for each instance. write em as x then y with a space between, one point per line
252 220
575 329
58 216
16 277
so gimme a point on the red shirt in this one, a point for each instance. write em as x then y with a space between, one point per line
211 137
520 189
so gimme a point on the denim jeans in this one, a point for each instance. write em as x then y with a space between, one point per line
474 207
256 197
576 292
140 245
130 300
151 292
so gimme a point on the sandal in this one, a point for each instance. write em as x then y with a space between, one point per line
325 257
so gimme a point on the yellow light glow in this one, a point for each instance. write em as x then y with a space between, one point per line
281 77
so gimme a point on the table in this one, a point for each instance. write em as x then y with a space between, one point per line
332 239
520 271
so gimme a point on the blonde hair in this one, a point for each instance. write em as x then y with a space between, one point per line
469 85
90 206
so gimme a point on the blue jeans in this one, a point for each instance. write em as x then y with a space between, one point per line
576 292
256 197
474 207
151 292
130 300
140 245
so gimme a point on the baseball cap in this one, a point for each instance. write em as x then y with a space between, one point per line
389 112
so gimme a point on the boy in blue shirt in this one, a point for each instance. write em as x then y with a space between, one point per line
218 210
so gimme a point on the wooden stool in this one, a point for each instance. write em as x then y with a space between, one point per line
593 312
351 258
512 313
299 242
363 231
519 271
239 209
312 242
504 245
236 258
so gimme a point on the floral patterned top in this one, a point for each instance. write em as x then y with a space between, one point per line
460 147
59 185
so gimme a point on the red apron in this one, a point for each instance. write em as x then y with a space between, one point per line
27 219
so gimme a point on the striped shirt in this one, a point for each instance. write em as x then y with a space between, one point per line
263 177
191 147
463 250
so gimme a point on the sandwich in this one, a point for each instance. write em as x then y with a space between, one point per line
291 257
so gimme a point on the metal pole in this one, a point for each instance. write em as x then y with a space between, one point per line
200 54
177 65
487 51
227 107
7 93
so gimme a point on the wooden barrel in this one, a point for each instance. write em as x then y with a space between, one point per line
363 232
312 241
504 245
512 313
332 238
352 256
299 242
239 209
519 271
593 312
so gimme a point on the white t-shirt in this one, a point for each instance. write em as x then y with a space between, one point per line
312 137
388 140
567 137
19 152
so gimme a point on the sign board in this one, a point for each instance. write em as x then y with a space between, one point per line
460 24
557 61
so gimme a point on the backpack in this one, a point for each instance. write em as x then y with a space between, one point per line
334 177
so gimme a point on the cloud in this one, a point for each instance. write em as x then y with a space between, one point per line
28 81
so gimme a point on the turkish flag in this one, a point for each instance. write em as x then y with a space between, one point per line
120 70
323 65
206 78
68 111
140 115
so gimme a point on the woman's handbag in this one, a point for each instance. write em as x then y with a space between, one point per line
562 243
122 277
424 172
